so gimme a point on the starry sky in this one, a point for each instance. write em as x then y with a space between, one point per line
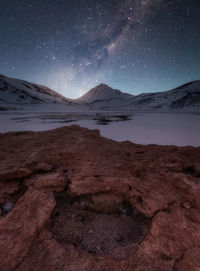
73 45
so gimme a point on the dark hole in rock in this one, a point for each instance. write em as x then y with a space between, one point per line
165 257
140 200
9 200
76 222
191 171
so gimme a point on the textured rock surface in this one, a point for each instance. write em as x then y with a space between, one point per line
83 202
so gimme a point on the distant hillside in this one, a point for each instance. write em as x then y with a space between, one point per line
182 98
19 92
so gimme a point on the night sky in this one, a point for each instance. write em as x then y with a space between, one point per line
73 45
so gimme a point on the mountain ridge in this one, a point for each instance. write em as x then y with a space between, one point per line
16 91
102 97
184 97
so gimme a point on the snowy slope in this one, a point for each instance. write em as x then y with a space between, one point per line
102 93
18 92
183 98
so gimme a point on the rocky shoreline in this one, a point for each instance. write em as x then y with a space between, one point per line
72 200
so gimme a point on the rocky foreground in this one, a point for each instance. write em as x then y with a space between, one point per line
72 200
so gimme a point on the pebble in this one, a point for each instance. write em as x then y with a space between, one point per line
98 248
8 207
186 205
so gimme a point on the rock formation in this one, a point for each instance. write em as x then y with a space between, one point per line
71 200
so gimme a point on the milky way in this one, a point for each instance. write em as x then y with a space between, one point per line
73 45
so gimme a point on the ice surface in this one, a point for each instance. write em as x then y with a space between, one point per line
179 129
153 128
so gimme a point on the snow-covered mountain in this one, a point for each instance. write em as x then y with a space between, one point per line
183 98
14 92
19 94
102 93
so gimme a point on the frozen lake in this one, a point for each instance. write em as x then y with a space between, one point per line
179 129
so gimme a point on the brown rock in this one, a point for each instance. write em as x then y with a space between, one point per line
190 260
8 188
19 228
12 174
50 256
142 203
52 181
43 167
107 202
197 168
186 205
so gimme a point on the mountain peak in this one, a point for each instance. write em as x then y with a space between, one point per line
102 92
102 85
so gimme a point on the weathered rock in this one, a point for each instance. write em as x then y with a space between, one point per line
49 255
171 233
10 174
197 169
77 217
51 181
186 205
19 228
43 167
8 188
107 202
190 260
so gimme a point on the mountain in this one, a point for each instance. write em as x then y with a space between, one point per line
18 92
183 98
102 93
